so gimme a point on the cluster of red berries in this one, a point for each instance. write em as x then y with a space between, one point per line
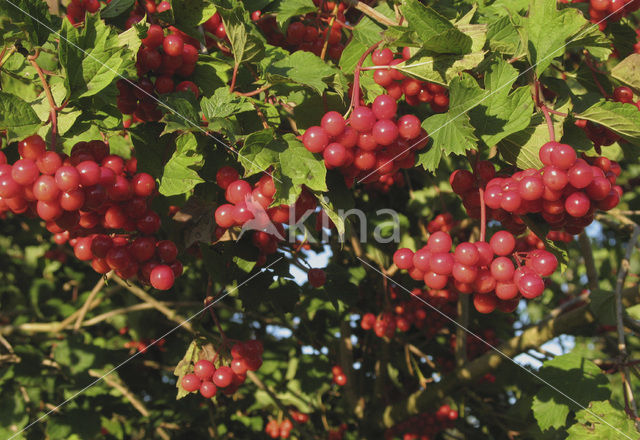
215 27
339 378
86 199
413 312
371 144
163 61
424 426
442 222
76 9
308 33
275 429
251 204
397 84
474 268
387 181
600 135
207 378
611 10
566 192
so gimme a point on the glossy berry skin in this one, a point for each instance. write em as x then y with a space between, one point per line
544 263
384 107
577 204
315 139
162 277
333 123
237 191
190 382
409 127
334 155
222 377
204 369
563 156
403 258
439 242
467 254
173 45
531 285
485 303
362 119
316 277
623 94
502 243
208 389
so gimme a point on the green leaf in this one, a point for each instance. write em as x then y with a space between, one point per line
547 30
503 36
32 17
180 172
181 112
116 7
603 306
522 148
434 31
260 151
223 104
291 8
184 367
609 422
244 45
501 111
338 200
624 119
576 377
449 135
91 56
17 116
628 71
191 14
303 68
301 167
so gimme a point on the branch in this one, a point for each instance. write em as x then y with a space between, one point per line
85 307
144 296
137 404
622 345
372 13
423 400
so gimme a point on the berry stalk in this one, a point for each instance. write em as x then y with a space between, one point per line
47 91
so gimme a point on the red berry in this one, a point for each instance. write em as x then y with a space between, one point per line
204 369
162 277
190 382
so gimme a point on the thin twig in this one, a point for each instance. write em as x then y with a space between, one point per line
144 296
622 345
85 307
135 402
372 13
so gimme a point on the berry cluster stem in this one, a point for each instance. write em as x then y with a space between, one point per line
483 216
47 90
547 117
355 96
